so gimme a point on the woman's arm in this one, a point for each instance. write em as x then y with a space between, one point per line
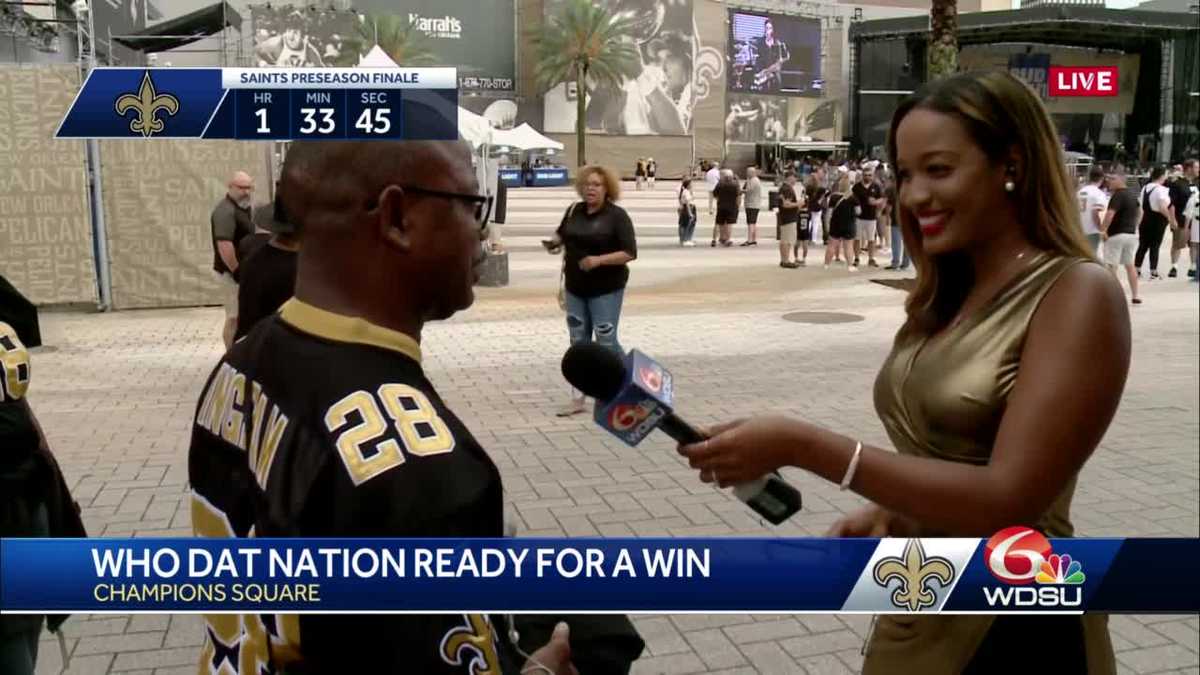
614 258
1073 369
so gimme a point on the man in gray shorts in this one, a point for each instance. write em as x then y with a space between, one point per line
231 221
1119 231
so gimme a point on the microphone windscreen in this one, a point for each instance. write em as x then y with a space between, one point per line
595 370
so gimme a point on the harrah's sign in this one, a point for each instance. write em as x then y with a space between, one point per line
1084 81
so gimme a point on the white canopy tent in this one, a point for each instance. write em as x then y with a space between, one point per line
524 137
475 129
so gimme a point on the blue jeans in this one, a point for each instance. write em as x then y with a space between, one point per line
898 260
601 315
687 224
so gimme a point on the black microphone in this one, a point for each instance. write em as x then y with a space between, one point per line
632 401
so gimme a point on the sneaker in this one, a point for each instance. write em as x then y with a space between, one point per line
690 244
852 268
1192 273
784 264
727 244
872 263
1173 273
744 243
856 261
1155 277
753 243
573 408
803 263
714 243
891 267
1136 301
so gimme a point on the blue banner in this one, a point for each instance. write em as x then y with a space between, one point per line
1014 571
266 104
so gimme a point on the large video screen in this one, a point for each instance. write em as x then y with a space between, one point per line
477 38
774 54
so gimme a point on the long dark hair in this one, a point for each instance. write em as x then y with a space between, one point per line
1001 114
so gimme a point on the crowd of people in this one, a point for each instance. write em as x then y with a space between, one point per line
849 207
1125 224
845 207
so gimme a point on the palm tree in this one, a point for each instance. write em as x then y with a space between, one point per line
395 35
943 39
582 44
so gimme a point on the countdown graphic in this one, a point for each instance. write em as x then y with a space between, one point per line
264 104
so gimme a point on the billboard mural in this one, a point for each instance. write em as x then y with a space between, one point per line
475 37
661 98
774 54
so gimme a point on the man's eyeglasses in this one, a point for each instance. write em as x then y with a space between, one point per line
483 203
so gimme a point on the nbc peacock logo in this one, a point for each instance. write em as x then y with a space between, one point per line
1019 556
1060 569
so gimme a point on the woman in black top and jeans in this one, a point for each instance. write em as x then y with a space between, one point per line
599 242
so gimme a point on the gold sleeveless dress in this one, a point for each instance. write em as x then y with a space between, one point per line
944 397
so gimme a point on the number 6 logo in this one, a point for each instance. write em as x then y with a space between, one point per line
1014 554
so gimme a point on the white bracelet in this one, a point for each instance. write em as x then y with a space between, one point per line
853 468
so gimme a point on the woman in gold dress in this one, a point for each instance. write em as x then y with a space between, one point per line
1000 384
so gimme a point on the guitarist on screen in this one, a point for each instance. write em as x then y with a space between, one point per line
771 55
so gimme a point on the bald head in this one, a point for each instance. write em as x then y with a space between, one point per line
241 188
389 229
331 184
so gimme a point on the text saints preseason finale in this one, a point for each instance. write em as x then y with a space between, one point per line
295 574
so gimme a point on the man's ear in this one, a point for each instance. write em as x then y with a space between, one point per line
393 228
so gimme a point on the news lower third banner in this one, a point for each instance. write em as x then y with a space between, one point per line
1015 571
262 104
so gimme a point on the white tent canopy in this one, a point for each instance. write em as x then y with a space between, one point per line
376 58
475 129
523 137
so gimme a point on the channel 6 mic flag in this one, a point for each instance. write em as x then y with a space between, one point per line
1016 570
262 104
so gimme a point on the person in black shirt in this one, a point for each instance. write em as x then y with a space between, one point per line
789 217
1181 191
599 244
1157 216
842 207
868 197
355 440
1119 231
268 275
231 222
728 194
34 498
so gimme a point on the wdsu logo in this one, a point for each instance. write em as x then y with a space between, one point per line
636 419
1019 557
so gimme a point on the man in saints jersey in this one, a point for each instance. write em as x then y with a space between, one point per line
321 422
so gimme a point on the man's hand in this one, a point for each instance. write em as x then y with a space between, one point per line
589 263
553 658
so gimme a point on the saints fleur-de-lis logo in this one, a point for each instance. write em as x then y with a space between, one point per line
146 104
914 571
472 643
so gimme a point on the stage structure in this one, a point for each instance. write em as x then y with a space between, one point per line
1154 118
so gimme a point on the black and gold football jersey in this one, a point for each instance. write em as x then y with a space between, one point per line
322 425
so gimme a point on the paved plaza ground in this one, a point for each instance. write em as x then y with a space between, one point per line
115 393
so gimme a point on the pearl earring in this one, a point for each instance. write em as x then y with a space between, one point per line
1009 186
